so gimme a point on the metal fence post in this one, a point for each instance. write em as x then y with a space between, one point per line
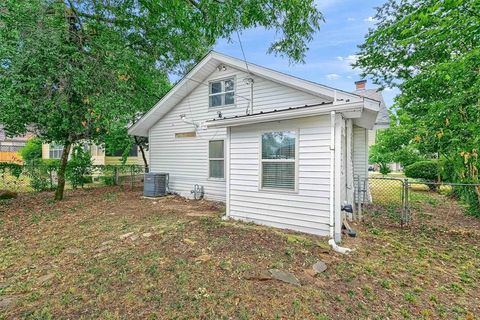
405 218
115 176
131 176
359 201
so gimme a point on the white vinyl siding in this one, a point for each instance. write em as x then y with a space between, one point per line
306 210
186 160
360 152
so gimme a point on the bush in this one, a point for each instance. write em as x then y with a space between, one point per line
42 173
79 167
13 168
107 180
384 169
32 150
425 170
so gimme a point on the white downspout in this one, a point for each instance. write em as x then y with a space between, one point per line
332 242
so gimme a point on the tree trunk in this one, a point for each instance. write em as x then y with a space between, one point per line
144 158
142 151
61 171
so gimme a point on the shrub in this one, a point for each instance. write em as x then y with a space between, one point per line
42 173
425 170
107 180
32 150
384 168
39 183
79 167
13 169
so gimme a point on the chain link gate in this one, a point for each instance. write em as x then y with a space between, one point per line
383 196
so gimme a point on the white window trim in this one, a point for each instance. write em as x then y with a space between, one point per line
213 159
54 148
222 80
261 161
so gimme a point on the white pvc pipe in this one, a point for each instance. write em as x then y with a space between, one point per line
332 242
332 174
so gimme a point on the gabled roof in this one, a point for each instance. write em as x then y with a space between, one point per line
383 119
208 64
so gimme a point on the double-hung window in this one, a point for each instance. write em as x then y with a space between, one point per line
56 151
222 93
216 159
278 161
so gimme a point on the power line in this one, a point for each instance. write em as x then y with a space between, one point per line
243 52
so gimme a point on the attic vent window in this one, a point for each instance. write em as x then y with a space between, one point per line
222 93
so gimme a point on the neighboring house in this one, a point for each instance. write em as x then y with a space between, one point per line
9 147
99 156
278 150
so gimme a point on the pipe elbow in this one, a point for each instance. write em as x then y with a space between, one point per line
337 248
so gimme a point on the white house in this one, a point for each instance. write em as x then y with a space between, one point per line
278 150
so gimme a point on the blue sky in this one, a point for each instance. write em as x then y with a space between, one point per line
331 51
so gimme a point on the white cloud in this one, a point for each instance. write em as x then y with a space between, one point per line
352 58
369 19
351 19
333 76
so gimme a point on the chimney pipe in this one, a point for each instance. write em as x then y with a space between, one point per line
360 85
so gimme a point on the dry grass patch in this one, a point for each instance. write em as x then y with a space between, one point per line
109 254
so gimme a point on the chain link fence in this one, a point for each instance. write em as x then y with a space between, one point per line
399 199
43 175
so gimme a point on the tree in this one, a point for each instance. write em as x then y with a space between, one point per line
32 150
396 144
430 49
79 70
378 155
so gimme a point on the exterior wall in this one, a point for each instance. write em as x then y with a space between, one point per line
13 157
45 151
186 159
307 209
372 136
360 152
350 183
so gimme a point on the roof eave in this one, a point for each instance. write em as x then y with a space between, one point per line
354 110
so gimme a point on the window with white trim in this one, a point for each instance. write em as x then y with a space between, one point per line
221 93
55 151
216 159
278 161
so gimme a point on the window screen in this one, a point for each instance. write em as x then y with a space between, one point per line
278 160
216 159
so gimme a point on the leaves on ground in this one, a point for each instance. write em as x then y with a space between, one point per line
426 271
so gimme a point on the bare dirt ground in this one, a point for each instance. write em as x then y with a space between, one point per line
109 254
